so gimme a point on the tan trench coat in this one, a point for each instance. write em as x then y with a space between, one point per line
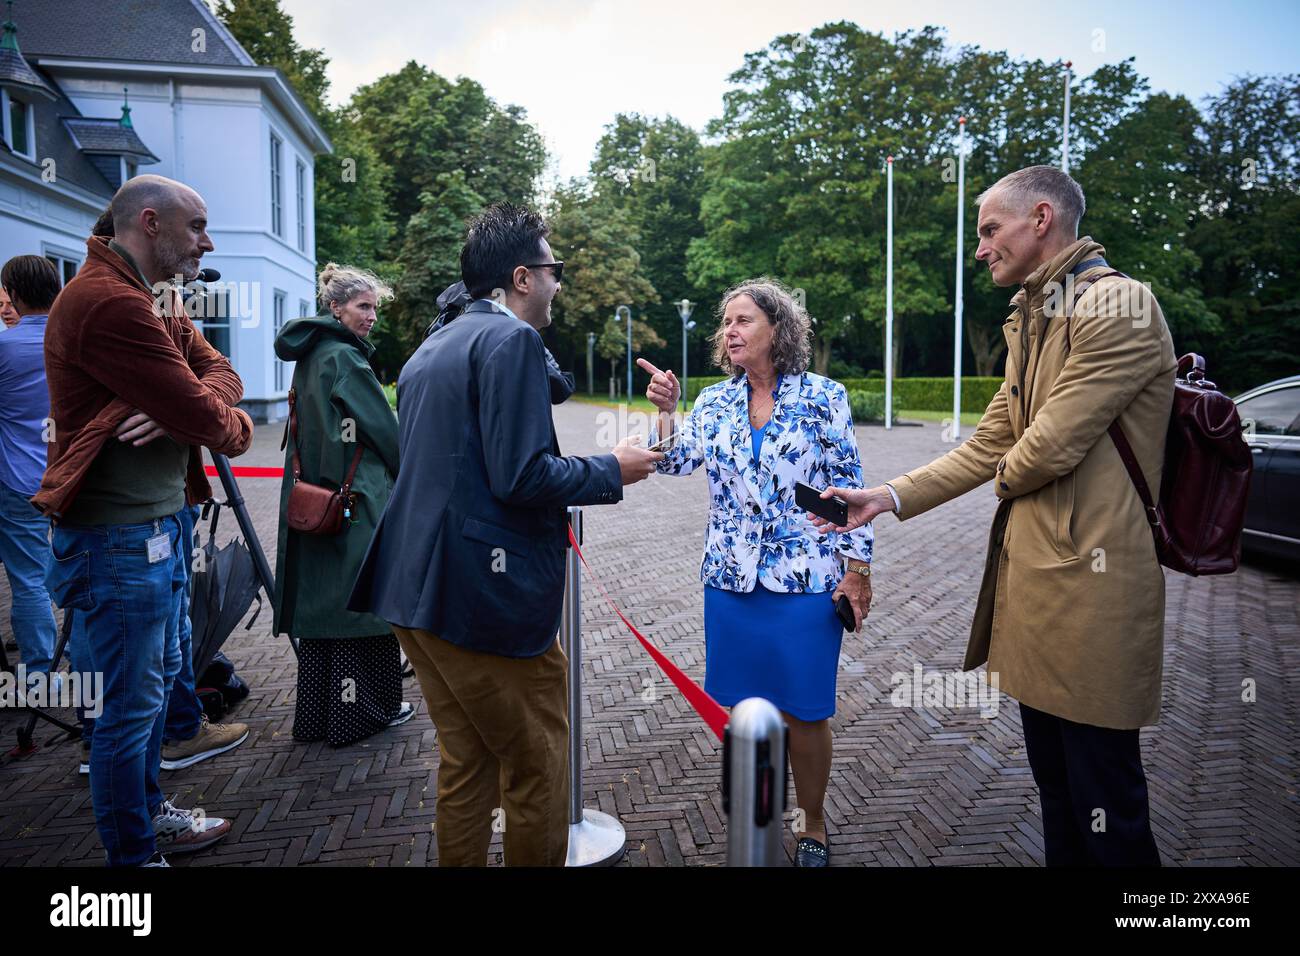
1071 613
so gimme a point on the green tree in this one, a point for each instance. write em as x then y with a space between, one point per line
266 32
1141 196
424 126
1246 229
428 262
652 171
603 270
353 223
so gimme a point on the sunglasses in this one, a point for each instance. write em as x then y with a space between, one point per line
557 267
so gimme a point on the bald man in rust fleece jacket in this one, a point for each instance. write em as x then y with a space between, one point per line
135 394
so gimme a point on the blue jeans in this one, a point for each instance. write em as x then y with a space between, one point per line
24 549
184 711
131 609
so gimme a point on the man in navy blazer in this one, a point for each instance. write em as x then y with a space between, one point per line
467 562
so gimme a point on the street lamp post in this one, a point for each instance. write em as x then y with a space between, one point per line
1065 125
618 312
684 309
591 344
956 336
889 293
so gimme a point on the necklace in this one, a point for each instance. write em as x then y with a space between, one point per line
760 410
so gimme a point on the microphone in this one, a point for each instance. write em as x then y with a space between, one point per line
208 275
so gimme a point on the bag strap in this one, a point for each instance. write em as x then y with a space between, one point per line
1134 472
352 471
293 429
297 463
1079 290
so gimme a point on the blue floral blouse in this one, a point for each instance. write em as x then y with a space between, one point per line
756 532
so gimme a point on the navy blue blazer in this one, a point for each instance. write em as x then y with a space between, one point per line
471 546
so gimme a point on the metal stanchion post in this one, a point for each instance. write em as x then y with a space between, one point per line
595 838
753 783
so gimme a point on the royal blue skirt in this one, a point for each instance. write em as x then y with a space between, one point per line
783 647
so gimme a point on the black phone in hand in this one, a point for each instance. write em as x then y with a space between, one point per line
844 611
833 509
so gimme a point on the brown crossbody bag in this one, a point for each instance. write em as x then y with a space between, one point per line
314 509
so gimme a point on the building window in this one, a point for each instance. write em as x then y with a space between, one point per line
304 308
278 323
213 320
277 215
19 126
129 169
302 206
64 264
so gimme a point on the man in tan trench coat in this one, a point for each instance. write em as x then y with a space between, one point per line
1071 611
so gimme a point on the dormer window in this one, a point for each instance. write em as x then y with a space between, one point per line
19 125
111 145
20 85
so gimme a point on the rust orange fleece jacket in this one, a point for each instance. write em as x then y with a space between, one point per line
109 349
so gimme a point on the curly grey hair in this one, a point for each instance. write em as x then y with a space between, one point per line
341 284
792 329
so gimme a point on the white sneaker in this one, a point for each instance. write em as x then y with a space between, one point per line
405 713
182 831
156 860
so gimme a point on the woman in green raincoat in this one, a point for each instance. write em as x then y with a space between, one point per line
349 664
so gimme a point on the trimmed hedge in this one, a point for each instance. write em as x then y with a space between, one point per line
933 394
920 394
869 406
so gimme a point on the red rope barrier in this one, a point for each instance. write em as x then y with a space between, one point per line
709 709
246 472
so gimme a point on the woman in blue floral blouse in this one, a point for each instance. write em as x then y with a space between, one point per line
771 578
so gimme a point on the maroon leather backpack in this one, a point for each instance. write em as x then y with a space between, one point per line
1197 522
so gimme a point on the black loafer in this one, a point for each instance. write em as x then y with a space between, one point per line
808 852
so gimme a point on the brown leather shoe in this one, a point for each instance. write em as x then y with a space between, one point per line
212 739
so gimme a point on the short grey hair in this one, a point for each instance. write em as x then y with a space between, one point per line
341 284
791 327
1027 187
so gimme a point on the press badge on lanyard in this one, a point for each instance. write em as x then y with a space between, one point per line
159 546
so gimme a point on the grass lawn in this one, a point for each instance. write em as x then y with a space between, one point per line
967 418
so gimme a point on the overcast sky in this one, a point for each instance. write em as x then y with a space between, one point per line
573 64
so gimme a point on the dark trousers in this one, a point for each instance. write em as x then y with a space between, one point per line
1092 791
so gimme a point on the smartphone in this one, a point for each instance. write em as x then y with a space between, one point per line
834 510
844 611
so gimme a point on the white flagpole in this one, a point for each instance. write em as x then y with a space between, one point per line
956 341
1065 137
889 294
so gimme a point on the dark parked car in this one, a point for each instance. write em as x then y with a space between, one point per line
1270 415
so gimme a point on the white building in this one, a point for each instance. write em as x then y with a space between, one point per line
200 111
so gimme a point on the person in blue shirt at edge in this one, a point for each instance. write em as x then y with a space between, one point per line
30 286
771 578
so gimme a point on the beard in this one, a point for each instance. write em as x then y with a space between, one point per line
174 260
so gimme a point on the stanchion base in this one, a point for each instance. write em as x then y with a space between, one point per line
599 840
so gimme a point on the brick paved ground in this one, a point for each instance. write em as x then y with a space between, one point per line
909 786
